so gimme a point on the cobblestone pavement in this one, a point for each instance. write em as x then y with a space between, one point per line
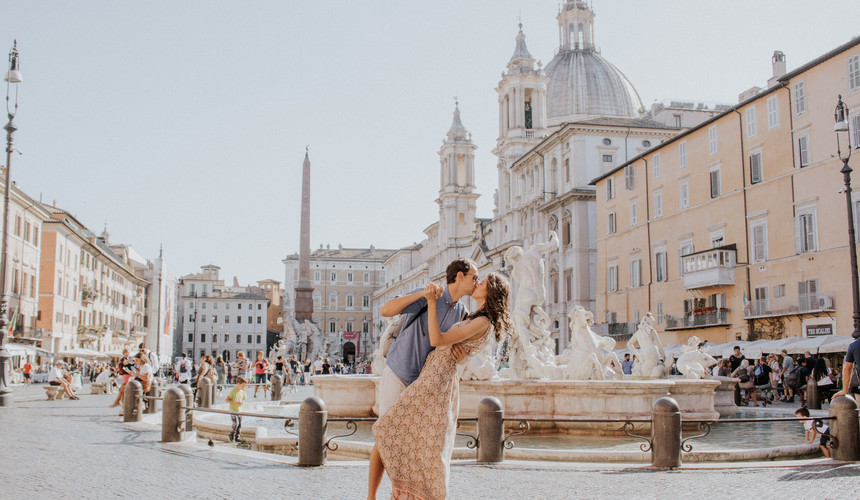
81 449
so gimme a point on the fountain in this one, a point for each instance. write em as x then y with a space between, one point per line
582 383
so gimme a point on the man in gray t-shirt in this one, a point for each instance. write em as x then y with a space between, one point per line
409 351
787 366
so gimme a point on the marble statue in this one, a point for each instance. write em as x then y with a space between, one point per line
695 362
481 366
531 348
590 356
651 360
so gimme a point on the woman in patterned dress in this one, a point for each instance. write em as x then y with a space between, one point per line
415 437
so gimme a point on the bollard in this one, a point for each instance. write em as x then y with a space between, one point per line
491 430
277 384
813 401
172 416
132 402
666 434
204 392
846 429
151 405
189 402
312 426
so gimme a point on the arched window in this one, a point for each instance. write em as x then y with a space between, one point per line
566 221
553 283
553 178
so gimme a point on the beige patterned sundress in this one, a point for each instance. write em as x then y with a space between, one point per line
415 437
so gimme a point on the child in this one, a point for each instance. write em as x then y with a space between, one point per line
236 398
810 431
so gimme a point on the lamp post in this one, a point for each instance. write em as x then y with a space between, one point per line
13 77
841 117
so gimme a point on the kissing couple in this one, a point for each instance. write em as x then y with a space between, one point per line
419 395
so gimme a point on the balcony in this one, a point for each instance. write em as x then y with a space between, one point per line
708 316
714 267
806 303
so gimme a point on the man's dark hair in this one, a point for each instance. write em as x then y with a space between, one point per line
141 346
459 265
736 347
184 355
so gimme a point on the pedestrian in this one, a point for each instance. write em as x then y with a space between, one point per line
261 369
811 427
143 371
326 367
294 370
744 373
761 374
318 366
280 367
851 370
241 365
736 358
183 369
221 372
28 371
236 398
306 374
788 366
805 374
825 378
626 364
124 370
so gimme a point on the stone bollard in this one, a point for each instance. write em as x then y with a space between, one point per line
846 429
312 426
204 392
132 402
277 385
813 401
173 416
491 430
152 404
666 434
189 402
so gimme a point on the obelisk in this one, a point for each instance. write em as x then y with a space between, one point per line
304 291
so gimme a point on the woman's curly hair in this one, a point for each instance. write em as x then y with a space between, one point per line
496 306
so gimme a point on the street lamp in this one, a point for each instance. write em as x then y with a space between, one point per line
13 77
841 117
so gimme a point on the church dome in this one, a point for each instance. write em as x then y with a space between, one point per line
584 84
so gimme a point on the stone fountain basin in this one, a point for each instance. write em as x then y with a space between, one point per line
355 396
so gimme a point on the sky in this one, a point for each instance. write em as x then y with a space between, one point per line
185 123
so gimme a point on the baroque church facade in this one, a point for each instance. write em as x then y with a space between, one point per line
560 127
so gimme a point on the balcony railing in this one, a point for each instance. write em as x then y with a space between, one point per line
715 267
804 303
705 318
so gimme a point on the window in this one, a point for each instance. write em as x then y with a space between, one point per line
712 139
805 230
629 177
317 299
612 278
202 337
715 182
676 120
808 294
259 339
333 276
349 277
214 318
718 237
854 72
684 194
366 277
799 98
259 320
759 240
685 248
803 150
259 307
238 306
772 112
238 339
250 319
658 204
657 172
316 276
610 188
682 154
203 318
610 223
856 221
752 127
778 291
190 337
250 338
636 316
660 257
607 158
755 168
634 217
659 313
855 131
349 326
190 318
635 273
332 326
238 319
607 141
332 301
567 170
226 319
349 301
365 301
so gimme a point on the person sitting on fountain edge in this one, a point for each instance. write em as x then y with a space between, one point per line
409 351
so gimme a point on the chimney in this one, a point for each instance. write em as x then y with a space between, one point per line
778 62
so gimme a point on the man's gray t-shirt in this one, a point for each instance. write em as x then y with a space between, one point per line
409 351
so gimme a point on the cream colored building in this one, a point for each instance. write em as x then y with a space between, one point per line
23 266
89 296
737 228
344 281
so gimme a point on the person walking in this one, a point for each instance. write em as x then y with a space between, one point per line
28 372
183 370
261 369
236 398
294 370
417 458
221 372
409 351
